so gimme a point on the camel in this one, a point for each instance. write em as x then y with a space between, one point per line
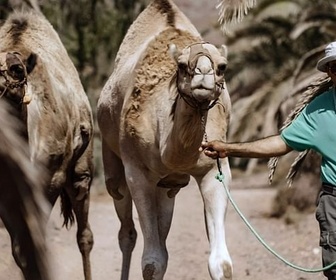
41 83
23 206
166 95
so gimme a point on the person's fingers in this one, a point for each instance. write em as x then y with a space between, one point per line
212 154
204 146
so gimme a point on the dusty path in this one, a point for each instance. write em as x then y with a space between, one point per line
187 243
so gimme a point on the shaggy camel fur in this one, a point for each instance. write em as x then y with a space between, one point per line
56 112
153 113
23 206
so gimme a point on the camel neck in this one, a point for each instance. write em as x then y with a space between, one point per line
184 136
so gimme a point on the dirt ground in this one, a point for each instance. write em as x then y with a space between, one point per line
187 241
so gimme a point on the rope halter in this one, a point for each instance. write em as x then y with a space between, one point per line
196 51
13 70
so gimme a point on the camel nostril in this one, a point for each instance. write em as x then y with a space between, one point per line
204 71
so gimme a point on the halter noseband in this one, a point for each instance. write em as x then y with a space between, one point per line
197 50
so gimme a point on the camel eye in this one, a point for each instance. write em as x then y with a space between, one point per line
221 69
18 71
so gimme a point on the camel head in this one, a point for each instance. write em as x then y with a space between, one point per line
200 74
13 77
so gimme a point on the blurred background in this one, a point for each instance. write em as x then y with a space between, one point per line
272 58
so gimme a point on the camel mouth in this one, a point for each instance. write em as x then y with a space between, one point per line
202 94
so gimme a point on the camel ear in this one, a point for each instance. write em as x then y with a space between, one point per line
174 52
223 50
31 62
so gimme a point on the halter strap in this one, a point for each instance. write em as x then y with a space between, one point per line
197 50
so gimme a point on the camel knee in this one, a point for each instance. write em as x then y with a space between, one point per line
82 185
127 238
112 186
153 271
148 272
85 241
154 268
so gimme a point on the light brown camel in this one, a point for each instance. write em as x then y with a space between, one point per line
23 206
153 113
57 115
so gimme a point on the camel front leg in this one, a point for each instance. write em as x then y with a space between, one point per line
144 194
215 205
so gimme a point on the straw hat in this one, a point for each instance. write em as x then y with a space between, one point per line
330 55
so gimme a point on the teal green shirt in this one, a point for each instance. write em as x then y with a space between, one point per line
315 128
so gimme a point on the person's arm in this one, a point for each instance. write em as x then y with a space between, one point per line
263 148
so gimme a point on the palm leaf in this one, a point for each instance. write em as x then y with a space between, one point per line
233 10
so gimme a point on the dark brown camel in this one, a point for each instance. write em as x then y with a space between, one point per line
40 81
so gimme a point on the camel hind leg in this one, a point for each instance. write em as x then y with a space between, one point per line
84 233
79 204
127 234
117 188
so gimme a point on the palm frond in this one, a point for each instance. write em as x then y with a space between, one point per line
233 10
265 100
300 28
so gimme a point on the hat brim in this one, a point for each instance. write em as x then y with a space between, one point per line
322 63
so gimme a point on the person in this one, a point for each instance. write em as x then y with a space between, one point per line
313 128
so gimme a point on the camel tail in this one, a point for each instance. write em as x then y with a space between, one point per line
67 210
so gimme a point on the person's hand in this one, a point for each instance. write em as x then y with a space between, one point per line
213 149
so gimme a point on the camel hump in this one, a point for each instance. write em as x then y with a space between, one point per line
155 19
165 7
157 65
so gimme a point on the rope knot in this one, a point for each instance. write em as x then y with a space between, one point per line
220 177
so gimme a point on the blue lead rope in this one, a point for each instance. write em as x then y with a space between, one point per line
220 177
